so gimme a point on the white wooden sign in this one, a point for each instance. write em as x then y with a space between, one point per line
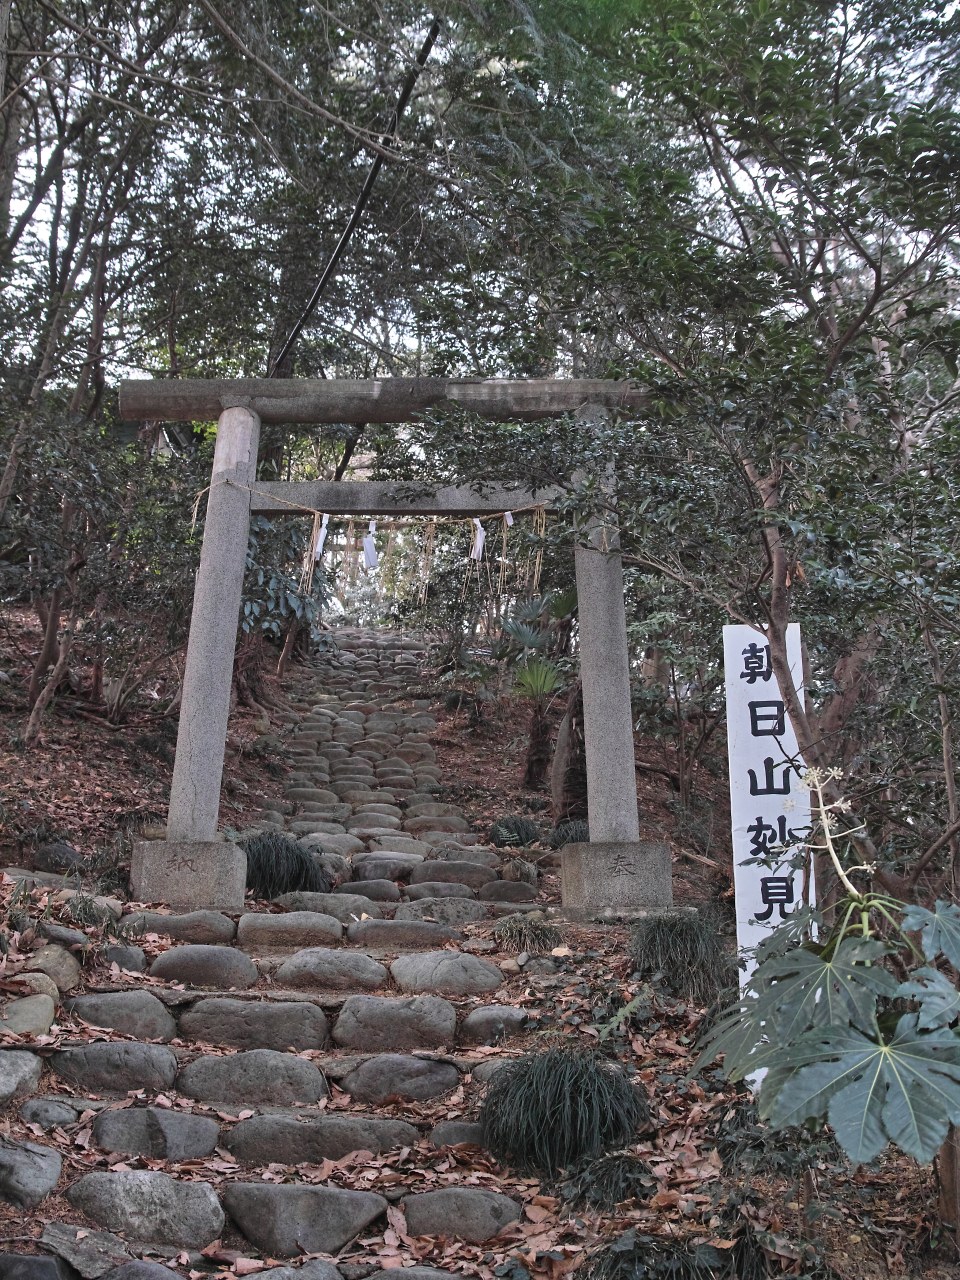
769 812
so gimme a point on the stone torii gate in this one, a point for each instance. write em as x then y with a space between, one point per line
615 873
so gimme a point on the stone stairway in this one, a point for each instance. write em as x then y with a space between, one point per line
240 1059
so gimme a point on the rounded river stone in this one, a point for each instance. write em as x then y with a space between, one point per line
256 1024
258 1076
446 972
206 966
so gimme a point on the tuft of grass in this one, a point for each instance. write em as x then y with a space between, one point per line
577 831
109 866
682 950
513 832
277 864
85 912
21 895
633 1256
609 1181
560 1107
748 1259
524 932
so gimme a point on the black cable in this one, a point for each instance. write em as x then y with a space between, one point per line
408 86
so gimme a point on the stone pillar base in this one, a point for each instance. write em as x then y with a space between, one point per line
190 875
615 880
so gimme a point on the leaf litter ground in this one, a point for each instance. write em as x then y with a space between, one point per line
874 1222
871 1223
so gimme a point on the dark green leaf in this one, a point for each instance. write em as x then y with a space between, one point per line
806 989
905 1091
938 997
939 929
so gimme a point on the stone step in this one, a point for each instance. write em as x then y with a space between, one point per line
302 1021
401 933
432 972
271 1078
312 919
321 965
321 1012
262 1140
281 1220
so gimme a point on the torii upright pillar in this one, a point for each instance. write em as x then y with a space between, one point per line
197 867
615 873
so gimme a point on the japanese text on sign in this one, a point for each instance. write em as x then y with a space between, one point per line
769 811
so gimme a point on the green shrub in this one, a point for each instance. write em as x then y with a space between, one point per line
747 1146
681 949
526 933
632 1256
277 863
559 1108
475 704
610 1180
537 679
577 831
509 833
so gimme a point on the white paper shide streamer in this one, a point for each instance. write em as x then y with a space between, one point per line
321 538
370 557
479 538
508 517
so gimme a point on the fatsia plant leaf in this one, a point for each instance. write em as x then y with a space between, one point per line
789 994
810 988
939 929
802 923
738 1034
906 1090
938 997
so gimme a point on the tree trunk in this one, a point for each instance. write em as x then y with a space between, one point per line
538 751
96 683
816 753
947 750
5 7
27 422
948 1180
11 126
50 688
655 669
49 650
568 775
289 641
248 672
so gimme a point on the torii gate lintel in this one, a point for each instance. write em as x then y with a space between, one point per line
393 498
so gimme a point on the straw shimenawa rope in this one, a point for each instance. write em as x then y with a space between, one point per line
351 552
